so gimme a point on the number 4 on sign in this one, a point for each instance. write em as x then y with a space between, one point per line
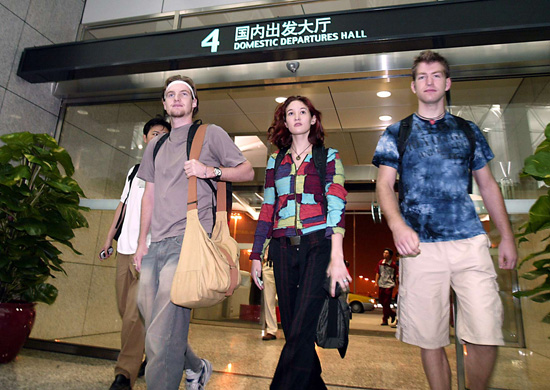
212 41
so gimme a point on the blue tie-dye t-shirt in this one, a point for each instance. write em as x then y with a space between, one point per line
434 176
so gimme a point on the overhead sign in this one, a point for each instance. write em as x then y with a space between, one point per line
409 27
285 33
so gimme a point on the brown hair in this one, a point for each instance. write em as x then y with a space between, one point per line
189 81
279 135
428 57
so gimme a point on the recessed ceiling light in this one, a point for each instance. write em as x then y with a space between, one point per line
112 130
385 118
383 94
140 147
280 99
82 112
121 147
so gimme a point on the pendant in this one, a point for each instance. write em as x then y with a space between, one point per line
297 157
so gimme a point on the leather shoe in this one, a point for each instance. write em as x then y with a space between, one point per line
384 324
141 371
121 383
269 336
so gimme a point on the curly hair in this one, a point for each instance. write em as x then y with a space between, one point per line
189 81
279 135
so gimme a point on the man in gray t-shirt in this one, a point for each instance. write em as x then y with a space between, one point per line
163 213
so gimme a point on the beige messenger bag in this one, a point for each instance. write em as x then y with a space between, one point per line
208 268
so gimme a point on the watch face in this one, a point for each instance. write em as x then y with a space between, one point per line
217 172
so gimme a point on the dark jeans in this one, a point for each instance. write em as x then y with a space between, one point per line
300 272
384 296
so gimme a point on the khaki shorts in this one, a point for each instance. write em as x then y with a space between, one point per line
424 290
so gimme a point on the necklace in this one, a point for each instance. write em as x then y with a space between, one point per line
299 154
431 120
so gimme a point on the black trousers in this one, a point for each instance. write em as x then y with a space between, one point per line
300 272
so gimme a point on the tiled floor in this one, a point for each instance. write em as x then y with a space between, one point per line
243 362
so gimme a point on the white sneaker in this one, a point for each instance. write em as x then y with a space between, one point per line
197 380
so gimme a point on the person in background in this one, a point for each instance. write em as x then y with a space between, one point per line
132 334
305 223
438 233
269 299
164 213
386 279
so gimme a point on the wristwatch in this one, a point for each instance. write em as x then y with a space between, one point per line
217 173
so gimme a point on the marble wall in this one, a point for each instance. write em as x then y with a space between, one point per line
27 23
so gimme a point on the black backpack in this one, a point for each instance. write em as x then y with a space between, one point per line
190 137
405 128
320 154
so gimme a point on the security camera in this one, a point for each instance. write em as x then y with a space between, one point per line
293 66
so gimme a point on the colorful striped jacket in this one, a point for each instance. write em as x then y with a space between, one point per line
299 209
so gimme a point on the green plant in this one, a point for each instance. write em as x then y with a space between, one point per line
39 206
537 166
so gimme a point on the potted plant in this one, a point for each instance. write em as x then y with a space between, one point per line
537 166
39 207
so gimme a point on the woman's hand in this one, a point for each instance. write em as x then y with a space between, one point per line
256 273
338 273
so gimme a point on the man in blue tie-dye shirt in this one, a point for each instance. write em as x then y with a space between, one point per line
437 231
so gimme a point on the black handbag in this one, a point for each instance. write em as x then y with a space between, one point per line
333 325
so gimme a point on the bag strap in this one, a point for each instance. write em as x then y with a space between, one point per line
195 153
465 127
123 211
320 155
221 203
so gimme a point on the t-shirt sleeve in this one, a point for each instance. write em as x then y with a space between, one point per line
223 147
483 153
386 152
146 170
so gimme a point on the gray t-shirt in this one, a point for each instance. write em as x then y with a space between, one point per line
167 173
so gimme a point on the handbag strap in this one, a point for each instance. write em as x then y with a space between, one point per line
195 153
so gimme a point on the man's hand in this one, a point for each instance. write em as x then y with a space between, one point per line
105 250
406 240
141 251
507 254
195 168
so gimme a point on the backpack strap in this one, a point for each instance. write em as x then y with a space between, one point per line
159 143
405 127
465 127
320 154
279 159
190 136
